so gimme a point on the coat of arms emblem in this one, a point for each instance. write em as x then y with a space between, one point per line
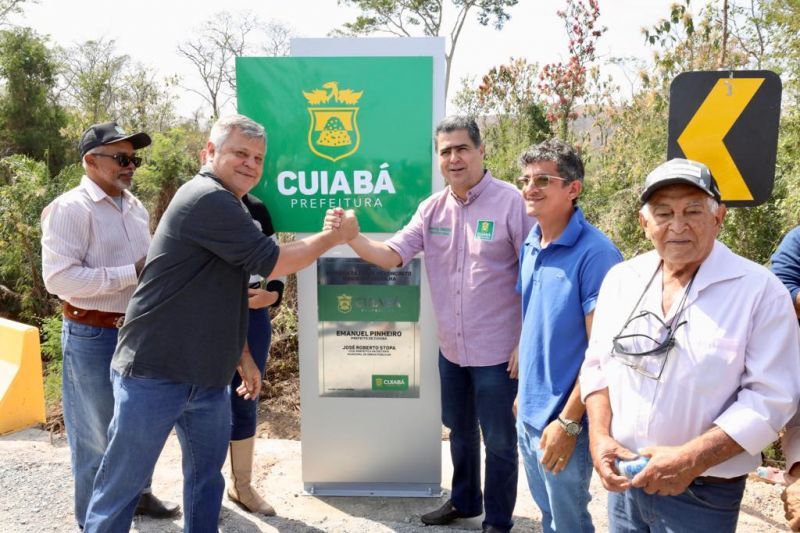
333 131
345 303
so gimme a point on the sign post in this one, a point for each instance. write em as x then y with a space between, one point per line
728 120
350 124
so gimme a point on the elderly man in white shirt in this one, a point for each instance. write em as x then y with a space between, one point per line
94 242
693 364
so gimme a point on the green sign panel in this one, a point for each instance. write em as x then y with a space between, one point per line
385 382
368 303
350 132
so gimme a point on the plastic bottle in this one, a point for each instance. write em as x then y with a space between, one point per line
630 467
771 474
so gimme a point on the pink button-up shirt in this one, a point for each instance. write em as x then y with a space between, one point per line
471 257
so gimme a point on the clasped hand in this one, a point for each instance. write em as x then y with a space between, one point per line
343 223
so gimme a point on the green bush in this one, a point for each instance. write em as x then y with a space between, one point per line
52 358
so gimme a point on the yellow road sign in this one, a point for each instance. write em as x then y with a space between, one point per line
729 121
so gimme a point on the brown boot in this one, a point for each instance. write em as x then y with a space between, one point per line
239 488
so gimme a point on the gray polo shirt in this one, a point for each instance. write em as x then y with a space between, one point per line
187 320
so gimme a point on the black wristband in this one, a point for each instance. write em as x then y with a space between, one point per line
276 285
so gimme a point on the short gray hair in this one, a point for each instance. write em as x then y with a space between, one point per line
564 155
456 123
225 125
83 159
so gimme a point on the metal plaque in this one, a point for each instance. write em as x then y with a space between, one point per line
368 329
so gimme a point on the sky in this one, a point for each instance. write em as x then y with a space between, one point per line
150 30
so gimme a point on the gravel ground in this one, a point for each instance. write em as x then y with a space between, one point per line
36 490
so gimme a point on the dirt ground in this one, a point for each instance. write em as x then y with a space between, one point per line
36 490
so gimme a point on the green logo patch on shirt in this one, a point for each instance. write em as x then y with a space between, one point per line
442 230
485 230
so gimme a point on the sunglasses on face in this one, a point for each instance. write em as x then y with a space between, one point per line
540 181
123 160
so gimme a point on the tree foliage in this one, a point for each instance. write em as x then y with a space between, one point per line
685 41
26 187
405 18
30 116
98 85
172 159
217 44
8 8
512 114
91 77
565 83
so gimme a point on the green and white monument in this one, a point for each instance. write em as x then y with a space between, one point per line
350 124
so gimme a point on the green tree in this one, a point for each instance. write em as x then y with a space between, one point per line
684 41
565 83
26 187
171 160
513 117
92 74
405 18
30 118
146 102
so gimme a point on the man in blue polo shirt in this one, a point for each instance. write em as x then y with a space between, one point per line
562 264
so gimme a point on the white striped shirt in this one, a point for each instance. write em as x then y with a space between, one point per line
90 246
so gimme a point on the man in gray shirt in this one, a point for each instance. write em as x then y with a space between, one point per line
185 332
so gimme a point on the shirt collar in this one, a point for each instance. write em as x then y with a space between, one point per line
475 191
720 265
206 171
568 237
97 194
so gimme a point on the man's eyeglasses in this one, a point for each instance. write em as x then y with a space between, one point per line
123 160
540 181
644 354
641 352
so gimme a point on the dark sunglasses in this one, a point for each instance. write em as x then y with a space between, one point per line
540 181
124 160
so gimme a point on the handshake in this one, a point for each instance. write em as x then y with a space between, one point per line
343 224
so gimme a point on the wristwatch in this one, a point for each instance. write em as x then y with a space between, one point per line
572 427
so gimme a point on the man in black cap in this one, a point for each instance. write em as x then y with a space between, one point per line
94 242
693 364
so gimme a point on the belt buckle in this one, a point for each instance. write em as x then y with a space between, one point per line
119 321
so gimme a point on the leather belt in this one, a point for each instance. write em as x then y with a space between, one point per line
713 480
90 317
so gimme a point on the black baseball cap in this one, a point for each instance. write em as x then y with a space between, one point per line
680 171
107 133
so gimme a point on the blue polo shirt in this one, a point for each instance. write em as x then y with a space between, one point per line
559 286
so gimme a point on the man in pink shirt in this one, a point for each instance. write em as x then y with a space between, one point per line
471 233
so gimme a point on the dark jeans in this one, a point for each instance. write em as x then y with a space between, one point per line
701 508
244 413
472 396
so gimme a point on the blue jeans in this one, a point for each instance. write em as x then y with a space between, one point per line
244 413
701 508
88 401
563 498
481 395
145 411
